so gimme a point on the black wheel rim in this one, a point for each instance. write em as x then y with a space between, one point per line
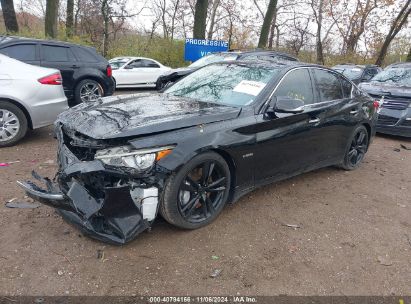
202 192
358 148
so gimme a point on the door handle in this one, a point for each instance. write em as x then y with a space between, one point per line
314 121
353 112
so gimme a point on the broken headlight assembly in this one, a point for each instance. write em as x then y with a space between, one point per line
126 156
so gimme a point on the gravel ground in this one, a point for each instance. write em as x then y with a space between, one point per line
354 237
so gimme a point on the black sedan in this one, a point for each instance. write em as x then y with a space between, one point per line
392 88
209 139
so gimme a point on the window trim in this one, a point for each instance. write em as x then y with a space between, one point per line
265 104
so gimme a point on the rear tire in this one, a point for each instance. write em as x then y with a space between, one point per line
88 90
192 199
13 124
356 148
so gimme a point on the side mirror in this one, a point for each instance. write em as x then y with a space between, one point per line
286 104
128 67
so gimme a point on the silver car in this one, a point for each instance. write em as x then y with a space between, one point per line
31 97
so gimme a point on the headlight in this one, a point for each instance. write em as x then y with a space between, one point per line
125 156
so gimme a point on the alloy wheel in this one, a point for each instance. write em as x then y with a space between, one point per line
9 125
202 191
358 147
90 91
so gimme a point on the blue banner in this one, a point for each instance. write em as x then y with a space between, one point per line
197 48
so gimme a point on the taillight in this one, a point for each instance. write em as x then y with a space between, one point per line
109 71
53 79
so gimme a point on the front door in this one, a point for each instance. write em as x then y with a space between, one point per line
285 141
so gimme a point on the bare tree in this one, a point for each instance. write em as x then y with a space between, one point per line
70 18
268 18
200 19
216 3
9 16
50 22
396 26
352 30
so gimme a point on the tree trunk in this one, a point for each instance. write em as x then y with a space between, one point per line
9 15
272 30
200 19
268 18
51 18
70 18
319 43
212 19
105 12
409 55
396 26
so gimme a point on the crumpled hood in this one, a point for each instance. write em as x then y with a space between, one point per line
140 114
378 88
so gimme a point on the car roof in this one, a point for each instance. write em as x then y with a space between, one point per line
362 66
282 64
400 65
7 39
131 58
259 53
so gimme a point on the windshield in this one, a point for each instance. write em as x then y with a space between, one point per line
350 72
212 59
118 63
397 76
229 84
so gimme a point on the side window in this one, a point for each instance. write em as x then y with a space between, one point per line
135 64
328 85
52 53
149 64
346 87
85 55
297 85
23 52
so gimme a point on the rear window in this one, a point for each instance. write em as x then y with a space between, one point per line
23 52
86 55
52 53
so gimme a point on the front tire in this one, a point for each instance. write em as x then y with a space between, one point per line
13 124
195 195
356 149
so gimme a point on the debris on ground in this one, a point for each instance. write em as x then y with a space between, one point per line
295 226
49 162
100 254
14 203
405 147
215 257
216 273
396 150
401 205
384 260
9 163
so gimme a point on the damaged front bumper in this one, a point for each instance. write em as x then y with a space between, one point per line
107 204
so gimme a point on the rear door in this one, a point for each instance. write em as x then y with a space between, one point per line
26 52
340 113
61 58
